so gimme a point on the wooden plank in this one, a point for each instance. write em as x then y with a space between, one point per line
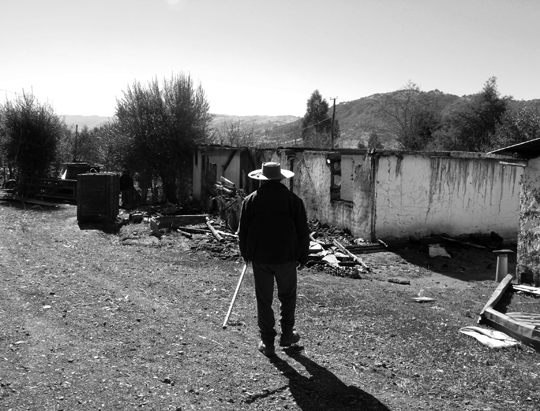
355 257
366 249
175 221
497 294
226 234
185 234
315 240
525 318
526 333
195 230
527 289
464 243
214 232
37 202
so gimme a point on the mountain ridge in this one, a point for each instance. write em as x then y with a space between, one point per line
357 120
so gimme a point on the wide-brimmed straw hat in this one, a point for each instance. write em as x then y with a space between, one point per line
270 171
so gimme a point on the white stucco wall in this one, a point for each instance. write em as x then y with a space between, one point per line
197 175
312 183
347 178
363 197
422 195
394 195
528 252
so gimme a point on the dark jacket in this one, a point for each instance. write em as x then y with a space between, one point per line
273 226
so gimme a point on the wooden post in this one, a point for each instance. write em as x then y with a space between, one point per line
333 118
502 264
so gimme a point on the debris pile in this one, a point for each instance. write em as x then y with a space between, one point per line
335 251
227 202
332 250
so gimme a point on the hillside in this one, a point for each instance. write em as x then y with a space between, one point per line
357 119
261 125
81 121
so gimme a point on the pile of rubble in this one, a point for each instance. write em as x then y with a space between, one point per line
227 202
331 250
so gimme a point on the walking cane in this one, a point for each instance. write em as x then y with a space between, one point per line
234 296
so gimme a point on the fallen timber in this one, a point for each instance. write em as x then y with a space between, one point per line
214 232
176 221
354 257
521 326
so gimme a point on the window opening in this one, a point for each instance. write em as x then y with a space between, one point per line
335 179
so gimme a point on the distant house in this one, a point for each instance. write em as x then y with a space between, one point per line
387 195
527 155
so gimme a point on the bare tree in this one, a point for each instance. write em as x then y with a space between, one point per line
411 115
235 134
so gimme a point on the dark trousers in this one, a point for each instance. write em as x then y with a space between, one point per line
286 279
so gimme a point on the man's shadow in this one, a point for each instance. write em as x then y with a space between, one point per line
322 390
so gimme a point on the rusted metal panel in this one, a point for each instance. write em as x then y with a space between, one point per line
97 196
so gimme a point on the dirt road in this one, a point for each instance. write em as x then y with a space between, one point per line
90 323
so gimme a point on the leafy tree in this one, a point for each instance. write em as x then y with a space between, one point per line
30 133
374 141
3 160
64 149
112 145
411 114
162 123
86 146
471 125
316 124
518 125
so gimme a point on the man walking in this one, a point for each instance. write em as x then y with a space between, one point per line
274 236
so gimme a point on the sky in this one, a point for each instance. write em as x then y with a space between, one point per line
255 57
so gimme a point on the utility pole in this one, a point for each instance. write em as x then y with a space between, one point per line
333 118
75 151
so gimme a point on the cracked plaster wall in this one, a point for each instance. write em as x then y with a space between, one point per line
528 253
312 182
412 194
421 195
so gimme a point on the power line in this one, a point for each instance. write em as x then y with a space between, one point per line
305 128
8 91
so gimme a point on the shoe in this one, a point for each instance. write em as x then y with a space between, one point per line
266 349
289 339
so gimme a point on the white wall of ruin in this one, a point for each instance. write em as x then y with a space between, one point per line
422 194
528 252
394 195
